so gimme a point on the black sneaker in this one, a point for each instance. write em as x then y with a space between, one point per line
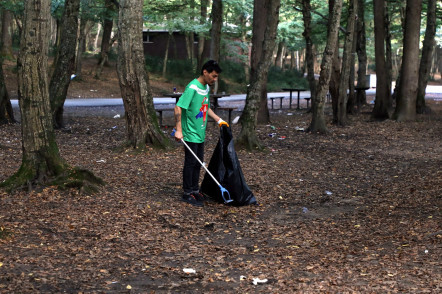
199 196
189 198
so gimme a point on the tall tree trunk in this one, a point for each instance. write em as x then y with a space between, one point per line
361 49
351 103
336 70
6 36
406 99
318 120
97 36
309 57
380 110
106 41
166 54
201 37
388 55
346 63
64 67
41 160
141 119
249 118
279 54
6 111
215 33
427 52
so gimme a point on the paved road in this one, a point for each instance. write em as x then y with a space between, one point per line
432 92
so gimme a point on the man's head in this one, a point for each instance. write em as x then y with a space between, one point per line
210 71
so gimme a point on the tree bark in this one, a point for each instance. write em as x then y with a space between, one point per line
336 69
106 39
166 54
346 63
41 160
388 55
6 36
247 138
318 124
6 111
428 47
201 37
407 92
307 17
141 119
215 31
380 110
65 65
361 49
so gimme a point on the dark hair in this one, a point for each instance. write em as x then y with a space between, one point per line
210 66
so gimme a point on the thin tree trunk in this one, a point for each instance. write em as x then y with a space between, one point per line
318 120
380 110
215 31
6 111
166 55
309 57
6 36
248 138
361 49
97 36
336 71
215 34
64 67
427 56
407 94
388 55
346 63
141 119
201 37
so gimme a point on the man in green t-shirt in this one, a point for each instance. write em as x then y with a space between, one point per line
191 114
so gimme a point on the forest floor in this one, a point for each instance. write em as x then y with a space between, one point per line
356 210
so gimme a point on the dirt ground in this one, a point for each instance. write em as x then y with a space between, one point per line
354 211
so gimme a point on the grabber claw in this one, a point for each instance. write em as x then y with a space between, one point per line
224 190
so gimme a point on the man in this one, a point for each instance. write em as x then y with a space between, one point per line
191 114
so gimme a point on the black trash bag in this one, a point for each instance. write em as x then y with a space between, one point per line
224 166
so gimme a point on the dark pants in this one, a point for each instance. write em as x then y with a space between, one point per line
191 170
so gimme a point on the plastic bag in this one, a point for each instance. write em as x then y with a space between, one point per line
224 166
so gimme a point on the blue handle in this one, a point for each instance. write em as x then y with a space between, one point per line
224 190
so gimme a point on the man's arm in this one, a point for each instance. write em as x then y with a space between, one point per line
178 129
216 118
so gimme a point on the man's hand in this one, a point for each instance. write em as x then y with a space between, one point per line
221 122
178 135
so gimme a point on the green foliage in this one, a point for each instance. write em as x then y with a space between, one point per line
233 72
277 79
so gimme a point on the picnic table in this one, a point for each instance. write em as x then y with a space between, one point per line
215 98
291 90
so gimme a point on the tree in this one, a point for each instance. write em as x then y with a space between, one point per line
380 110
141 119
215 31
106 41
65 63
409 75
346 63
201 36
6 36
428 47
318 121
309 57
265 11
361 49
42 163
6 111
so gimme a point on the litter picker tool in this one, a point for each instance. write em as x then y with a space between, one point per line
223 190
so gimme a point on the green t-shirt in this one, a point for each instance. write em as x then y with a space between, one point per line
194 103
